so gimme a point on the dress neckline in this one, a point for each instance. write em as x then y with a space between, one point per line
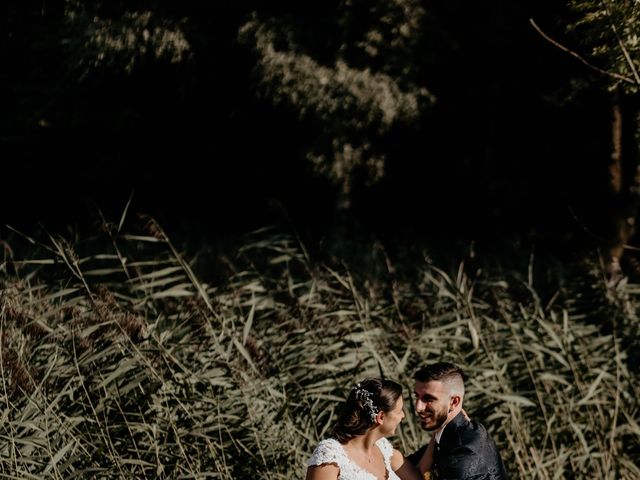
364 470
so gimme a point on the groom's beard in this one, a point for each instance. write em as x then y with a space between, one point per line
431 421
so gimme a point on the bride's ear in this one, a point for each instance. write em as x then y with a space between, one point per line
380 417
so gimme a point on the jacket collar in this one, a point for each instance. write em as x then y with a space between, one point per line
456 422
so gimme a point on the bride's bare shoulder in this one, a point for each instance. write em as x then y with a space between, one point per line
326 471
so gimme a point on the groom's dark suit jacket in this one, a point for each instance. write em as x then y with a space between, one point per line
465 452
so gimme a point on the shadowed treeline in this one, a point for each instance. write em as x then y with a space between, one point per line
195 117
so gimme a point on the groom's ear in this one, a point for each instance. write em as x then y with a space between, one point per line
454 402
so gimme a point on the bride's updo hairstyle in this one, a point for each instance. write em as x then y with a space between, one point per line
366 399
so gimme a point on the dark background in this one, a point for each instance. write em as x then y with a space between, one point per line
503 154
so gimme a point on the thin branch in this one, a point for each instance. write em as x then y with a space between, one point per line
625 52
582 59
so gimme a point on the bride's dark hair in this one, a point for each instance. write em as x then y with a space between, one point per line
365 400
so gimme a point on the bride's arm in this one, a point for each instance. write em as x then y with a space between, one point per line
403 467
425 464
326 471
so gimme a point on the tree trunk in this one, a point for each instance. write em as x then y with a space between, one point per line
624 182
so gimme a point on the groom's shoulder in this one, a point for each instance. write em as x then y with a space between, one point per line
471 431
467 433
472 450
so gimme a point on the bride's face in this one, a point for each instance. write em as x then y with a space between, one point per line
393 417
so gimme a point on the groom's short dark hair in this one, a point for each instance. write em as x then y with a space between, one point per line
441 371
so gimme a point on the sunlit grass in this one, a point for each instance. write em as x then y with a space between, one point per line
122 362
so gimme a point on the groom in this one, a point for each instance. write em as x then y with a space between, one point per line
459 448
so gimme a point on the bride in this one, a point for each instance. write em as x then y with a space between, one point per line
358 448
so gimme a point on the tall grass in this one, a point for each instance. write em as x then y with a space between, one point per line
118 359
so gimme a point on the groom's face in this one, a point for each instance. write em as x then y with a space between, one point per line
432 404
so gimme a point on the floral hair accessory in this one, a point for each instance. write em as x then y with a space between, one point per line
364 396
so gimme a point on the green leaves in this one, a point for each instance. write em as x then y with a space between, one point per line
608 30
353 90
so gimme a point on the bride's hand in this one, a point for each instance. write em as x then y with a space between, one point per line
426 462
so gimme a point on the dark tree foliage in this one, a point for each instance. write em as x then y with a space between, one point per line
443 119
349 71
605 35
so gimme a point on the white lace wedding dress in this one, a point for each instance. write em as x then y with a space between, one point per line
331 451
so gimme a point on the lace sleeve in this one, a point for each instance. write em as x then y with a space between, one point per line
327 451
